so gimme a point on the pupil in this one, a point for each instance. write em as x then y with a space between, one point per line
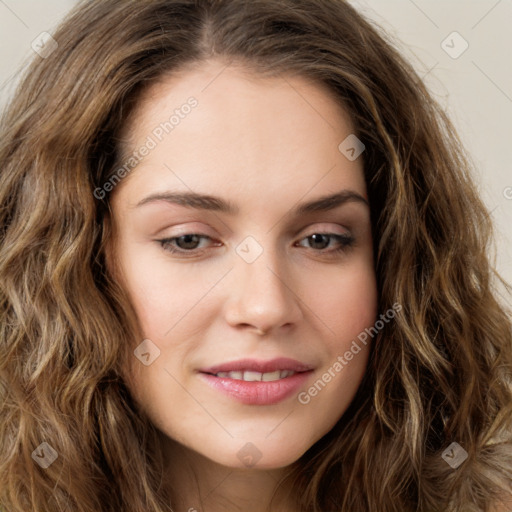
315 241
187 239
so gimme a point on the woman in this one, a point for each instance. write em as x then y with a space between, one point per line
259 370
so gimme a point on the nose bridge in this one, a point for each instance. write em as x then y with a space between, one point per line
262 294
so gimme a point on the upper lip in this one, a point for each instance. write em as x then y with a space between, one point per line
280 363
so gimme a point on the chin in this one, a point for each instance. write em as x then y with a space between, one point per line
257 454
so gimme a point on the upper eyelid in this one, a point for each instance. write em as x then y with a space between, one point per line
322 227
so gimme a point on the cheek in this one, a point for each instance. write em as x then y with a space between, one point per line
348 304
161 293
347 308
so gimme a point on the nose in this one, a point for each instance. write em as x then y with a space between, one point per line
264 295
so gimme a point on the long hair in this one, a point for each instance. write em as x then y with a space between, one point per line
439 373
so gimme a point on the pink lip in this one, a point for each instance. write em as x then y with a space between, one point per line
280 363
257 392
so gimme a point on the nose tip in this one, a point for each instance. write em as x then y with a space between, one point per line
261 297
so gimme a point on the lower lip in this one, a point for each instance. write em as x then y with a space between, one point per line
258 392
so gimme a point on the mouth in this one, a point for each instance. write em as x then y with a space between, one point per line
257 382
252 376
251 369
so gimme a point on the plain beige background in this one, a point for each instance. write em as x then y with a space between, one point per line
469 73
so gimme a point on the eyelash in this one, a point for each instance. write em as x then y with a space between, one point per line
346 243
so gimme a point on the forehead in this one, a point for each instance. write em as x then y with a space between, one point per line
246 131
231 95
226 82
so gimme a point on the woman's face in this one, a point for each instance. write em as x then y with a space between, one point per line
257 281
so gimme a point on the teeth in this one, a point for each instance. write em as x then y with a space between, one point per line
271 376
250 376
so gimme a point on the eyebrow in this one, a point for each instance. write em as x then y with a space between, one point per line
218 204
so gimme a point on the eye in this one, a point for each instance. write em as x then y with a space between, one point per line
319 239
188 244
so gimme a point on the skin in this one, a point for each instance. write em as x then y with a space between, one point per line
266 145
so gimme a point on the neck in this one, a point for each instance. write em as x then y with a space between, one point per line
202 485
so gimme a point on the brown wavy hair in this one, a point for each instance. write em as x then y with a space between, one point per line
440 372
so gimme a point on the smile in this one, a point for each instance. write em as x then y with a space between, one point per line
255 388
251 376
